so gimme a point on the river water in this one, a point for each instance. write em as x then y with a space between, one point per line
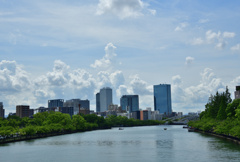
139 144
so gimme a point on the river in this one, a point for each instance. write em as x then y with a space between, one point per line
139 144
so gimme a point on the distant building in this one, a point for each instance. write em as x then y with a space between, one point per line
144 115
136 114
65 110
22 111
129 103
55 103
104 99
149 109
98 102
162 98
77 104
237 92
2 111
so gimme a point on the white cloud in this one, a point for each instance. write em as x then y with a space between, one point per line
121 8
181 26
117 78
236 47
140 87
197 41
189 60
153 12
107 61
12 77
195 96
228 35
217 39
212 36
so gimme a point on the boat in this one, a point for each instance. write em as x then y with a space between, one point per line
185 126
165 128
120 128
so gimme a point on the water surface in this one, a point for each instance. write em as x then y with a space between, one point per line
151 143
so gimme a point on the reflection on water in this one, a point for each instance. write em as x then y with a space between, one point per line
131 144
164 144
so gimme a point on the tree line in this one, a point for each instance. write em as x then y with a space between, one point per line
54 123
221 115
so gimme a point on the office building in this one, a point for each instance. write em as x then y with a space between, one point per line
162 98
105 99
65 110
77 104
22 111
55 103
2 111
129 103
237 92
144 115
98 102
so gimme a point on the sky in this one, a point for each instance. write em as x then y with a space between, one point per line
65 49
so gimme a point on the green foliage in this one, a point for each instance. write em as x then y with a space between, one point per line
51 123
217 105
232 107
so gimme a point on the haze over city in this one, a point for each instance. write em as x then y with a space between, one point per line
70 49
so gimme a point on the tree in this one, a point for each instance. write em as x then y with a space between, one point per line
232 107
79 122
217 104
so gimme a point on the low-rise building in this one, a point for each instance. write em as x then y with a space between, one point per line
22 111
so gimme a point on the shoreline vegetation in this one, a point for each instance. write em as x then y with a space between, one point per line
47 124
221 117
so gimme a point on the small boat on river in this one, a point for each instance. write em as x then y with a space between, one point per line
165 128
120 128
185 126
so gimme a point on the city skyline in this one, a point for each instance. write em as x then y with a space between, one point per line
71 49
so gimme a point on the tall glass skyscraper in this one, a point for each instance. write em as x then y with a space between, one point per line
98 102
129 101
105 98
162 98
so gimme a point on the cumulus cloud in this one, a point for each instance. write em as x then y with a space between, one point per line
196 96
189 60
140 87
122 8
109 58
215 38
12 77
181 26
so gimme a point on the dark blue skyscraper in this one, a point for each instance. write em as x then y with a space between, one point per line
162 98
98 102
55 103
129 101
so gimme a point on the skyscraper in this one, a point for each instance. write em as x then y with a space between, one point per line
162 98
98 102
130 102
2 111
105 96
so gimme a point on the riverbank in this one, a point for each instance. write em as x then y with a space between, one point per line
227 137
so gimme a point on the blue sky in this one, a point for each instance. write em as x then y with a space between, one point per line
71 48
